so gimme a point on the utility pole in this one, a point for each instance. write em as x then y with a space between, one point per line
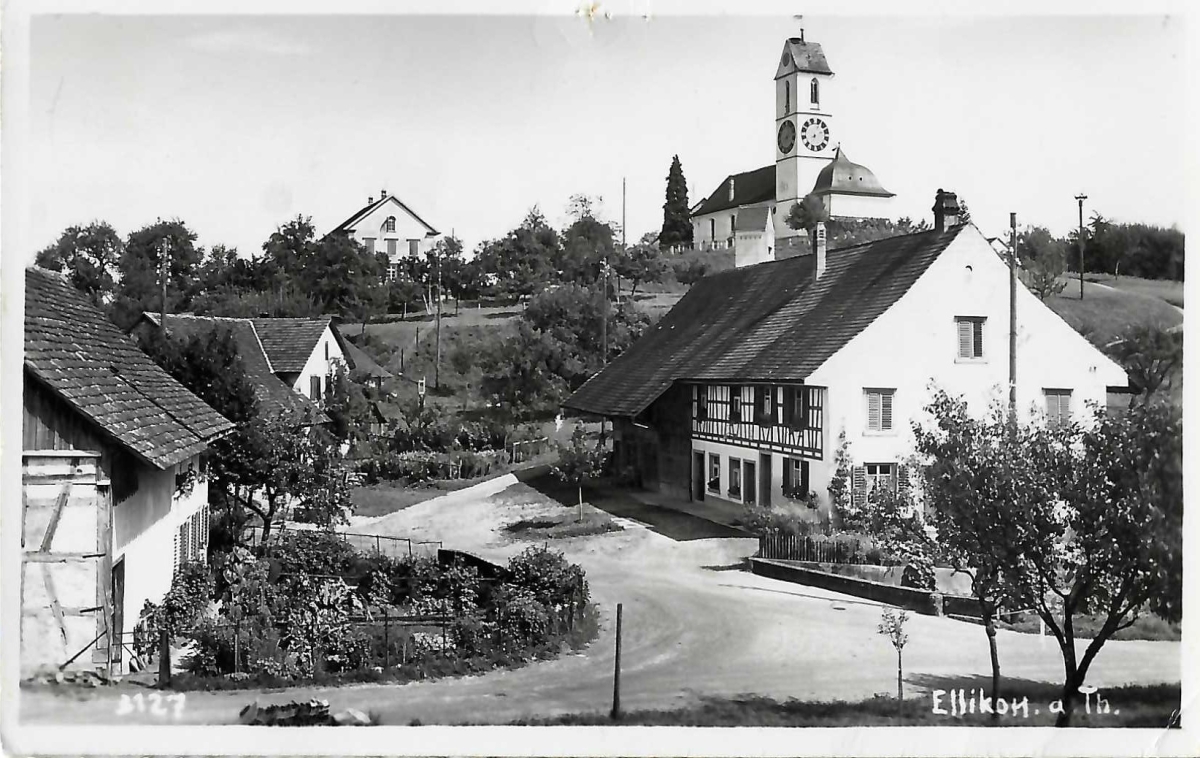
163 270
1081 197
604 310
437 321
1012 320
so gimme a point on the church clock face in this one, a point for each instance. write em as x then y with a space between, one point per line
787 137
815 134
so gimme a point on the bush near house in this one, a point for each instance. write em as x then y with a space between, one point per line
310 608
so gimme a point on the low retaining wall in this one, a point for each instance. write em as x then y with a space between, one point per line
921 601
949 582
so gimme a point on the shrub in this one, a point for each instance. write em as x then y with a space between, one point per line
547 576
469 634
524 620
312 552
192 591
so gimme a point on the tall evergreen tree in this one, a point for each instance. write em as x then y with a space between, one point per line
677 223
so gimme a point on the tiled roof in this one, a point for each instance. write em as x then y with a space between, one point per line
274 396
289 342
749 187
808 57
769 322
361 361
753 219
81 356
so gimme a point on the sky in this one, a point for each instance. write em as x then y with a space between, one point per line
237 124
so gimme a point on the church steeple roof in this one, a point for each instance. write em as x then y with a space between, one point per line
799 55
842 177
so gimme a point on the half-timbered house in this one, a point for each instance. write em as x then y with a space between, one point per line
744 390
114 493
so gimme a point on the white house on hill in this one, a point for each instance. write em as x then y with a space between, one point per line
740 393
389 226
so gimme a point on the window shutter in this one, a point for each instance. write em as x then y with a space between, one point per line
182 541
175 555
873 410
805 408
858 479
885 413
977 327
903 485
1064 407
804 478
789 407
964 338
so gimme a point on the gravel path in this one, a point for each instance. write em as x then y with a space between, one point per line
694 625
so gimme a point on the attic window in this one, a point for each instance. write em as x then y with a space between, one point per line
970 337
390 224
814 91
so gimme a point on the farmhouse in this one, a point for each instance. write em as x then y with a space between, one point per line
742 391
389 226
114 493
747 211
289 359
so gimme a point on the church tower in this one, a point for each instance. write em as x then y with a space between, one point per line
804 137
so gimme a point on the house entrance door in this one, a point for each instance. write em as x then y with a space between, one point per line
764 478
749 477
118 609
697 476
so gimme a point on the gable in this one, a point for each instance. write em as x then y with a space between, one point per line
368 221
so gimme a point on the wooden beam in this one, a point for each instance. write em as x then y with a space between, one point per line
39 557
54 606
61 503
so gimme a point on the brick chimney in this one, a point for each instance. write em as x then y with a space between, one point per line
382 194
370 200
731 189
945 210
820 248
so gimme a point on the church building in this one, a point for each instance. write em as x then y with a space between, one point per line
748 211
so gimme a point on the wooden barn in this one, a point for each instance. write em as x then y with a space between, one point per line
114 491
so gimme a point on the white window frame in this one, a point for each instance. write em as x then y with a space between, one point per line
891 477
890 393
714 473
1057 418
735 474
983 339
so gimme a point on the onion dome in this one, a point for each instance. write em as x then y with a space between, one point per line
842 177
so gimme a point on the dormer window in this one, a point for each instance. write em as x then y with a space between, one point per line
814 93
390 224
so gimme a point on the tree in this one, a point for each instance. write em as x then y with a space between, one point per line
580 462
586 243
347 407
640 264
964 213
1151 355
1092 517
690 272
806 214
523 262
891 625
89 254
1043 260
972 471
677 220
287 252
139 289
344 278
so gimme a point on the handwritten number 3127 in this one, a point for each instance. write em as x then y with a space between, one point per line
154 704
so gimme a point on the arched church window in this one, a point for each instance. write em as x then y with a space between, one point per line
815 92
390 224
787 98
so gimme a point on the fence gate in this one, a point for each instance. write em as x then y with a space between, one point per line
65 602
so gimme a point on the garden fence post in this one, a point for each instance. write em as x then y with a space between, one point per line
377 550
616 707
164 658
237 633
387 660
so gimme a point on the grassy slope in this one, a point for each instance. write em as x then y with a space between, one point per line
1109 311
1163 289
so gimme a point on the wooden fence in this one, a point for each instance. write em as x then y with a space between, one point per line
519 452
793 547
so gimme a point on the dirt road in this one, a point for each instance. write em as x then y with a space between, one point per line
694 625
